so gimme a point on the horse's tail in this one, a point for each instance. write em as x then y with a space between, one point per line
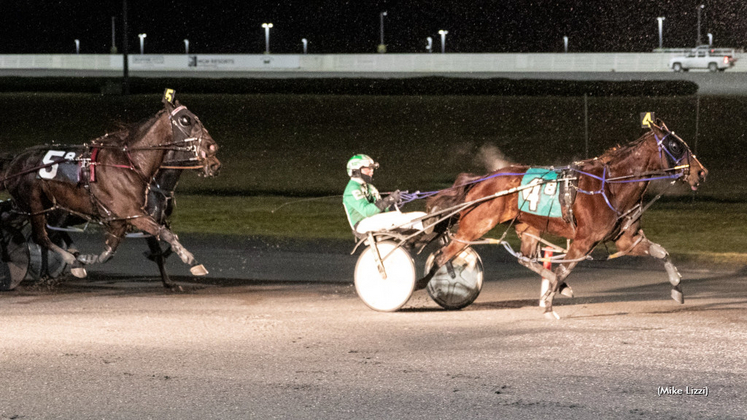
453 196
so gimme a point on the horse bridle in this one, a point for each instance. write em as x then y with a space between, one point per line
182 122
674 150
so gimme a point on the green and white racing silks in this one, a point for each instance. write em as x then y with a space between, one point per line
359 199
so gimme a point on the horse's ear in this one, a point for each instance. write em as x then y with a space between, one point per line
169 98
661 126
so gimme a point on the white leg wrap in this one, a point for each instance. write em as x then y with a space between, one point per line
673 273
544 288
657 251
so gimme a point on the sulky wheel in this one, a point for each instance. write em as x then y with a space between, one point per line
34 263
457 286
46 264
14 261
385 294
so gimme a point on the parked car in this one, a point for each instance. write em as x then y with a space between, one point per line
704 57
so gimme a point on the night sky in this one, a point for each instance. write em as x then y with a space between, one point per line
336 26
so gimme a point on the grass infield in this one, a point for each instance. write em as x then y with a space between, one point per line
277 148
695 231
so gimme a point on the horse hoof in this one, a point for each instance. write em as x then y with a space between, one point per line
677 295
566 290
198 270
79 272
552 315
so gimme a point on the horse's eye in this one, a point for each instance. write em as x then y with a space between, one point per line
676 148
184 120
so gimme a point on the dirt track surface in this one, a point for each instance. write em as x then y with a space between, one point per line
117 346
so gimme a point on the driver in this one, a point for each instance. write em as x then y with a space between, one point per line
366 210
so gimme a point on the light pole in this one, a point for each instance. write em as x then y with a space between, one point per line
429 45
382 46
305 43
701 7
125 56
113 49
443 40
267 27
565 43
186 46
661 28
710 39
77 46
142 43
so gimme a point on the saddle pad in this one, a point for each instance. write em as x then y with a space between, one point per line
66 168
542 198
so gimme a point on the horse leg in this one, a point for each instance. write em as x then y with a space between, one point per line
114 233
474 225
159 256
529 252
148 225
636 244
578 249
41 237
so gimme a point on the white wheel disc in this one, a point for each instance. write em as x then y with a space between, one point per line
463 289
390 293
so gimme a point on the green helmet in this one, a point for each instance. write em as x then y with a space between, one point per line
360 161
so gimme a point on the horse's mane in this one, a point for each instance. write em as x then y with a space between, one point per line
128 133
621 152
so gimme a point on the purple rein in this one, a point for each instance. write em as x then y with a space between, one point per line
417 195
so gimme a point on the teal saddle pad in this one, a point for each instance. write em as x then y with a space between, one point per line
542 198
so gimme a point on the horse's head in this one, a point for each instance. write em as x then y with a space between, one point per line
676 155
193 145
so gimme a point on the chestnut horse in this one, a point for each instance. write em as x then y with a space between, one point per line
607 207
118 171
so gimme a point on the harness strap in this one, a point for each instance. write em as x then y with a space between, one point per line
94 156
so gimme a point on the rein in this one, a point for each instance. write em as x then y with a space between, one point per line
680 170
187 144
34 169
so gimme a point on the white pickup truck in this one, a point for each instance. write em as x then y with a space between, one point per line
704 57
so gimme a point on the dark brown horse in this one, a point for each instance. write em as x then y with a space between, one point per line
116 174
607 207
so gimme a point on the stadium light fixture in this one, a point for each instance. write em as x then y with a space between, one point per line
443 40
267 27
661 31
142 43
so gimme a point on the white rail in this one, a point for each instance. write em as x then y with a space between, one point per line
352 63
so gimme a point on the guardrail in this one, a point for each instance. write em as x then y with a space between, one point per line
363 63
